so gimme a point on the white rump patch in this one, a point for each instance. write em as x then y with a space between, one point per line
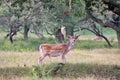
40 49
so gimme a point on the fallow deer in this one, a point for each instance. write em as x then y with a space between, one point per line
54 50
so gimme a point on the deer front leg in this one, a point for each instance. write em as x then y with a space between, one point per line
63 58
40 59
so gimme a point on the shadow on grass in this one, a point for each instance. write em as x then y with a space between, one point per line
68 70
97 70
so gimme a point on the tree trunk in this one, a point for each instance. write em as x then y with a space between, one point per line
108 42
59 36
11 36
100 35
26 30
70 3
11 33
118 38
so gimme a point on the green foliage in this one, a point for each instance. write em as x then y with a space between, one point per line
40 72
20 2
3 10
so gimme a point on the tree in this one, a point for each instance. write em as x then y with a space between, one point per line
92 27
13 22
112 5
54 14
21 14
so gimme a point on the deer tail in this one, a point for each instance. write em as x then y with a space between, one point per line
40 49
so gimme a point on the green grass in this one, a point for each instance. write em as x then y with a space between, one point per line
96 64
83 69
90 44
21 45
19 71
71 71
32 44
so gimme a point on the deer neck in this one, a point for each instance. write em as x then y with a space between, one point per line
70 45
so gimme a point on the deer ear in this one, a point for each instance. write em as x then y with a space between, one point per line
76 37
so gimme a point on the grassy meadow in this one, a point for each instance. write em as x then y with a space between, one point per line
88 60
97 64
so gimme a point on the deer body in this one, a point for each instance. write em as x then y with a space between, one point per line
54 50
